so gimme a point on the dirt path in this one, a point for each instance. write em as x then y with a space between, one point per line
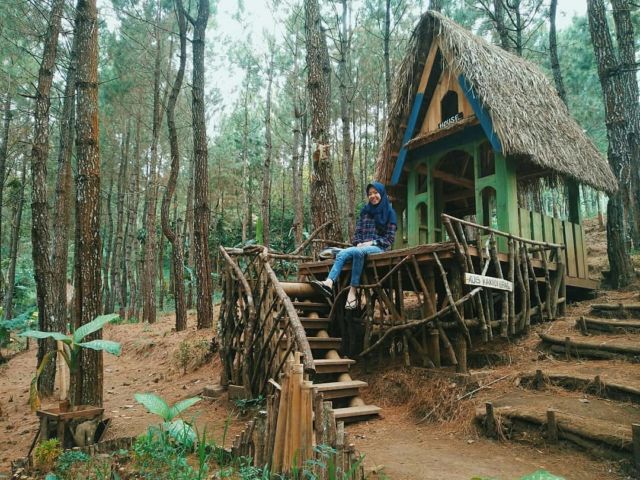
147 364
405 449
408 452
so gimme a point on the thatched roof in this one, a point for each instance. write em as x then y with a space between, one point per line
531 121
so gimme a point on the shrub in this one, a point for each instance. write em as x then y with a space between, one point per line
46 454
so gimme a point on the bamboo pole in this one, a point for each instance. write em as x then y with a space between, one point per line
456 313
477 299
536 290
512 293
548 245
424 321
504 322
547 290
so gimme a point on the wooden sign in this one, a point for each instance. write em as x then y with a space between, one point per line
488 282
451 120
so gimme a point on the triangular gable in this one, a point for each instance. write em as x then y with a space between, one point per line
441 94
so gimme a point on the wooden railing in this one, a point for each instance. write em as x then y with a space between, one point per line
523 258
539 227
258 325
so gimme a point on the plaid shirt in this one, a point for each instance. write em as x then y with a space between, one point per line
366 231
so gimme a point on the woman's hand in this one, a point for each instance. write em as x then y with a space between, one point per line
365 244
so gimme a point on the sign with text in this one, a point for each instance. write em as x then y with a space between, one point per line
451 120
488 282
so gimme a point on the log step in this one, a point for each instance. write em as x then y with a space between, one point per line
608 325
315 323
299 290
311 306
624 310
592 349
332 390
353 414
320 343
331 365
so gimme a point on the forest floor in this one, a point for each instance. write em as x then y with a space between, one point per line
425 432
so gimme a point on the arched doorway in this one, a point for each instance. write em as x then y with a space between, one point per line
454 185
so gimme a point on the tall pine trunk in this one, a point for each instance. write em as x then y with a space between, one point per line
188 235
87 384
344 78
553 52
16 219
618 153
4 146
246 181
173 235
202 212
625 37
266 167
151 196
108 248
40 235
324 205
64 198
386 37
118 244
129 261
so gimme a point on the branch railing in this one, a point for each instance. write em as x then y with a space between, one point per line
521 273
259 326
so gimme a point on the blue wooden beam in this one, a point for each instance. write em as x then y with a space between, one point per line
408 134
481 114
469 134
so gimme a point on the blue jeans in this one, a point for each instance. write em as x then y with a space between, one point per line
357 256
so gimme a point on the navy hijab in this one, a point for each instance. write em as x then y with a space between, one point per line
382 213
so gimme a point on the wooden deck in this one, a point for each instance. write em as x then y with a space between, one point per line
424 255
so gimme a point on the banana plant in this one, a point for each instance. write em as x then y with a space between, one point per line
178 429
72 345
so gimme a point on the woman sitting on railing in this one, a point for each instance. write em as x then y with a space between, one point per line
375 232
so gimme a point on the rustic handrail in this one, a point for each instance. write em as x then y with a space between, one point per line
449 218
243 281
298 330
304 244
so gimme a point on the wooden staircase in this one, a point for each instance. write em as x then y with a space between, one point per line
333 379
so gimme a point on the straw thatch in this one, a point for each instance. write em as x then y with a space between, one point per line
531 121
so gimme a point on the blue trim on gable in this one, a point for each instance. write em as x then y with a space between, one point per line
408 133
481 114
469 134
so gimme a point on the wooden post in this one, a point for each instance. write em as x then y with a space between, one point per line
318 400
490 420
512 293
583 326
567 347
552 427
433 339
461 354
547 282
261 440
504 320
524 261
635 431
456 312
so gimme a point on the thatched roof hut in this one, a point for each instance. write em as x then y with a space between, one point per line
531 122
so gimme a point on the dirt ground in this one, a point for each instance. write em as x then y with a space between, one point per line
425 432
396 445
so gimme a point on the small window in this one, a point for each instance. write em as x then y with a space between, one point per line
489 208
422 177
423 219
487 160
403 220
449 105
